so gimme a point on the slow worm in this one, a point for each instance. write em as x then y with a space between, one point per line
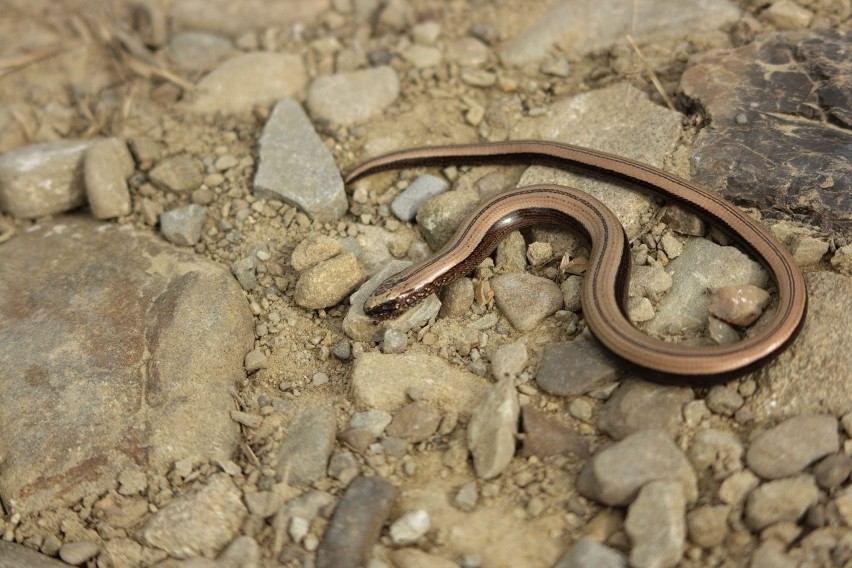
605 284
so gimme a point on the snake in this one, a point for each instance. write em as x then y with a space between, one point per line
605 285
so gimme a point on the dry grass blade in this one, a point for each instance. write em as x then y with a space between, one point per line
651 74
11 63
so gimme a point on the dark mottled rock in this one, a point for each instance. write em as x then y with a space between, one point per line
303 456
356 523
545 435
572 368
637 405
780 114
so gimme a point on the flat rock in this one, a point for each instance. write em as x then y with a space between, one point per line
356 523
414 422
589 553
656 525
592 25
793 445
229 17
17 555
200 523
638 405
303 456
525 299
296 167
780 500
636 128
615 474
702 265
814 374
263 78
179 173
492 428
383 381
785 97
44 179
159 333
571 368
353 97
546 435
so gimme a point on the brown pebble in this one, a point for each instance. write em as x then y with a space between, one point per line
739 305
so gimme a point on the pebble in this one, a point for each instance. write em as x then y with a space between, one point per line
422 56
492 428
735 487
720 332
329 282
245 272
410 527
132 482
780 500
739 305
303 456
724 400
842 260
405 205
354 97
511 254
198 51
263 77
615 474
588 553
557 66
792 445
77 553
43 179
638 405
246 418
559 375
787 15
198 523
509 360
719 451
342 350
649 282
833 471
708 525
255 360
375 420
314 249
296 167
343 467
466 497
525 299
546 436
182 226
179 173
683 221
394 341
656 526
243 552
426 33
768 556
807 250
107 166
264 504
414 422
468 52
356 523
456 298
439 216
539 253
203 195
572 288
640 309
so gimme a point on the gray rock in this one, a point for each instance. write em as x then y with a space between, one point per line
350 98
182 226
638 405
414 422
509 360
545 436
422 56
589 553
44 179
525 299
592 26
719 451
656 526
314 249
245 273
492 428
198 51
572 288
78 552
439 216
615 474
405 205
812 376
793 445
559 374
378 246
17 555
107 166
303 456
833 471
233 17
708 525
263 77
296 167
255 360
159 333
264 504
375 420
780 500
329 282
343 467
357 523
467 497
511 255
243 552
394 341
650 282
200 523
684 309
179 173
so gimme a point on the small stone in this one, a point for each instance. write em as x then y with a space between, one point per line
735 488
546 436
649 282
77 553
768 556
179 173
572 292
807 250
329 282
842 260
394 341
708 525
243 551
671 245
264 504
422 56
833 471
342 350
247 419
414 422
354 97
525 299
203 196
656 526
640 309
359 439
787 15
132 482
457 297
615 474
467 497
319 379
780 500
374 420
509 360
468 52
720 332
719 451
410 527
303 456
405 205
492 428
314 249
556 66
182 226
107 166
724 400
588 553
638 405
245 273
426 33
539 253
255 360
511 254
298 529
439 216
739 305
580 409
198 51
343 467
792 445
559 374
394 447
683 221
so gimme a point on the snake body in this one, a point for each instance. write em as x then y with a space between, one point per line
604 293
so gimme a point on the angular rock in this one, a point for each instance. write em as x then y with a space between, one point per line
546 435
159 333
296 167
638 405
313 250
656 526
182 226
793 445
525 299
414 422
303 457
263 78
615 474
405 205
329 282
509 360
492 428
572 368
350 98
179 173
107 166
44 179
